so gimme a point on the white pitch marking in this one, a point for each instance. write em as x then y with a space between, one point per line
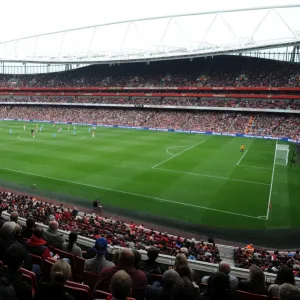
211 176
129 193
167 150
177 154
255 167
242 157
262 218
271 186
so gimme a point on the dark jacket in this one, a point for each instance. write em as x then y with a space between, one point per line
158 294
23 289
51 291
139 280
5 243
54 238
27 232
37 246
251 287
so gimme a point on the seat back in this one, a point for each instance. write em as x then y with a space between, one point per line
32 277
104 295
78 293
90 279
79 269
37 260
240 295
78 285
48 263
64 254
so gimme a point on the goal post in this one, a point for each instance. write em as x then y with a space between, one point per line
282 154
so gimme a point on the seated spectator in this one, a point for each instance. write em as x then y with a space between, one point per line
98 263
137 259
185 288
289 292
284 275
15 260
60 273
121 286
256 283
169 279
27 231
52 236
150 265
181 261
8 238
14 216
71 246
225 268
7 292
126 261
218 287
37 245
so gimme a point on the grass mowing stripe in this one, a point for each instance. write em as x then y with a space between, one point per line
129 193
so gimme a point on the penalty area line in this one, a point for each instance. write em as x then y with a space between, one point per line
129 193
177 154
242 157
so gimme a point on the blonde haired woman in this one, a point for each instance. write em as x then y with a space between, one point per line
181 262
59 274
256 282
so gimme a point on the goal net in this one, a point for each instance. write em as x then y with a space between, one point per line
282 154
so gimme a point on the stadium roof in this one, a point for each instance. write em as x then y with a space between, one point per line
165 37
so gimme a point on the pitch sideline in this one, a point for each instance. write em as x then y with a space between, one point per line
133 194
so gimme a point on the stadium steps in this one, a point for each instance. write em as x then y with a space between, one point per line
250 123
226 253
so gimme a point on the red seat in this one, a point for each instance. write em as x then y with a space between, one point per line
104 295
78 285
90 279
63 254
48 263
30 278
78 293
37 260
240 295
79 268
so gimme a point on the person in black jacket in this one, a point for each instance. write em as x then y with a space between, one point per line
27 231
15 260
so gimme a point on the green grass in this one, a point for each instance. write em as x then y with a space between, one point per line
201 183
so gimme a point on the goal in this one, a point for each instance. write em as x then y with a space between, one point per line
282 154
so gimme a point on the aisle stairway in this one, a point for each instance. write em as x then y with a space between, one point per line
250 123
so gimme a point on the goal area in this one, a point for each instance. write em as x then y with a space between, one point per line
282 154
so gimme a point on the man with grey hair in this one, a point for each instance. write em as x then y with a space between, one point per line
169 278
14 216
52 236
225 268
288 291
121 285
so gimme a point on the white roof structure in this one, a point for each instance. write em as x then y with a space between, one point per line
166 37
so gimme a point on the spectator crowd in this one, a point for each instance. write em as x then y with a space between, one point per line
278 125
164 101
122 274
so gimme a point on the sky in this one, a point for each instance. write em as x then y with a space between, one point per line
21 18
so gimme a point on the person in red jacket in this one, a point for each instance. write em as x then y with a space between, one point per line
37 245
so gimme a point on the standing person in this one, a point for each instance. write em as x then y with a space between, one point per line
97 206
71 246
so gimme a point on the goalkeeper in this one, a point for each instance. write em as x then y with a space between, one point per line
242 148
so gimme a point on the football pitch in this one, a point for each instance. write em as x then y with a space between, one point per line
194 178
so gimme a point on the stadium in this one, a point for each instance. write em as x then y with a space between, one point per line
189 140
